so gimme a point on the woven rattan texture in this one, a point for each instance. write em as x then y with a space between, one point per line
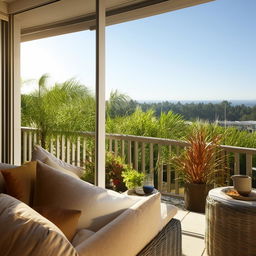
230 229
166 243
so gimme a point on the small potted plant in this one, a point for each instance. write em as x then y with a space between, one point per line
114 168
198 166
132 179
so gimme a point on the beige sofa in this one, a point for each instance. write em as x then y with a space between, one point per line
111 224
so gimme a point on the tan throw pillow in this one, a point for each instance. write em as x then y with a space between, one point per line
99 206
54 165
41 154
25 232
129 233
20 182
65 219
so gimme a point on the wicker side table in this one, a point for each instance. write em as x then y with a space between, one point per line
230 225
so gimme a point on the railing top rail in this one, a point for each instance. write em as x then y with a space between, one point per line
153 140
242 150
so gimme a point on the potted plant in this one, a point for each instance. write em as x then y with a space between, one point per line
198 166
114 168
132 179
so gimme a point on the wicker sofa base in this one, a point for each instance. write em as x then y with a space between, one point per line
166 243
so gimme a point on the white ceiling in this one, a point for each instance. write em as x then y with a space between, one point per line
43 21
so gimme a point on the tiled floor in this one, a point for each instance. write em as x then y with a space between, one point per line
193 227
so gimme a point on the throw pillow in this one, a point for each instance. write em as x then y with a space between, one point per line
65 219
54 165
2 182
20 181
25 232
99 206
41 154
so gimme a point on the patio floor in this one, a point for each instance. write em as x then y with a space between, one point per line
193 228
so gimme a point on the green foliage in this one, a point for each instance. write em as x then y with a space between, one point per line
114 168
132 178
201 161
119 105
171 126
64 107
143 123
69 106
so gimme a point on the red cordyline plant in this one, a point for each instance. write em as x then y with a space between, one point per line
201 160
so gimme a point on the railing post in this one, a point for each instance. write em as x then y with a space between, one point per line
122 149
84 152
63 148
135 155
58 146
73 153
30 146
151 158
177 191
78 151
169 171
237 164
160 169
68 150
143 169
24 146
116 148
249 164
129 152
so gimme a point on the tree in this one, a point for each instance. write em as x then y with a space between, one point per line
119 104
63 107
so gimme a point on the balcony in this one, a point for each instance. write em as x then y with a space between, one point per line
145 155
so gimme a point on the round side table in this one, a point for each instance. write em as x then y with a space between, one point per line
230 225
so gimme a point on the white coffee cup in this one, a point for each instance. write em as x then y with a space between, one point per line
243 184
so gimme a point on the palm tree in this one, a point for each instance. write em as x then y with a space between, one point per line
119 104
63 107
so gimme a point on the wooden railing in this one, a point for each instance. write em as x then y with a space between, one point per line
143 153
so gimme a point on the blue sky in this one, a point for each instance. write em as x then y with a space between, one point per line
206 52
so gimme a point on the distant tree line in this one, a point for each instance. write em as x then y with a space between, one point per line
122 105
204 111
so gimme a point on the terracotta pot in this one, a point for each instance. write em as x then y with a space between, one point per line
195 196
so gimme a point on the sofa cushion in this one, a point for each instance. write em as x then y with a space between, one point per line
127 234
99 206
81 235
58 167
41 154
168 211
20 181
65 219
2 181
25 232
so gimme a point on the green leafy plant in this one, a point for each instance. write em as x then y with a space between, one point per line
132 178
114 168
201 161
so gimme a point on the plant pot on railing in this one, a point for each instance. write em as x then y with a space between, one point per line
195 196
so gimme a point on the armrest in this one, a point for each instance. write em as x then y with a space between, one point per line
129 233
